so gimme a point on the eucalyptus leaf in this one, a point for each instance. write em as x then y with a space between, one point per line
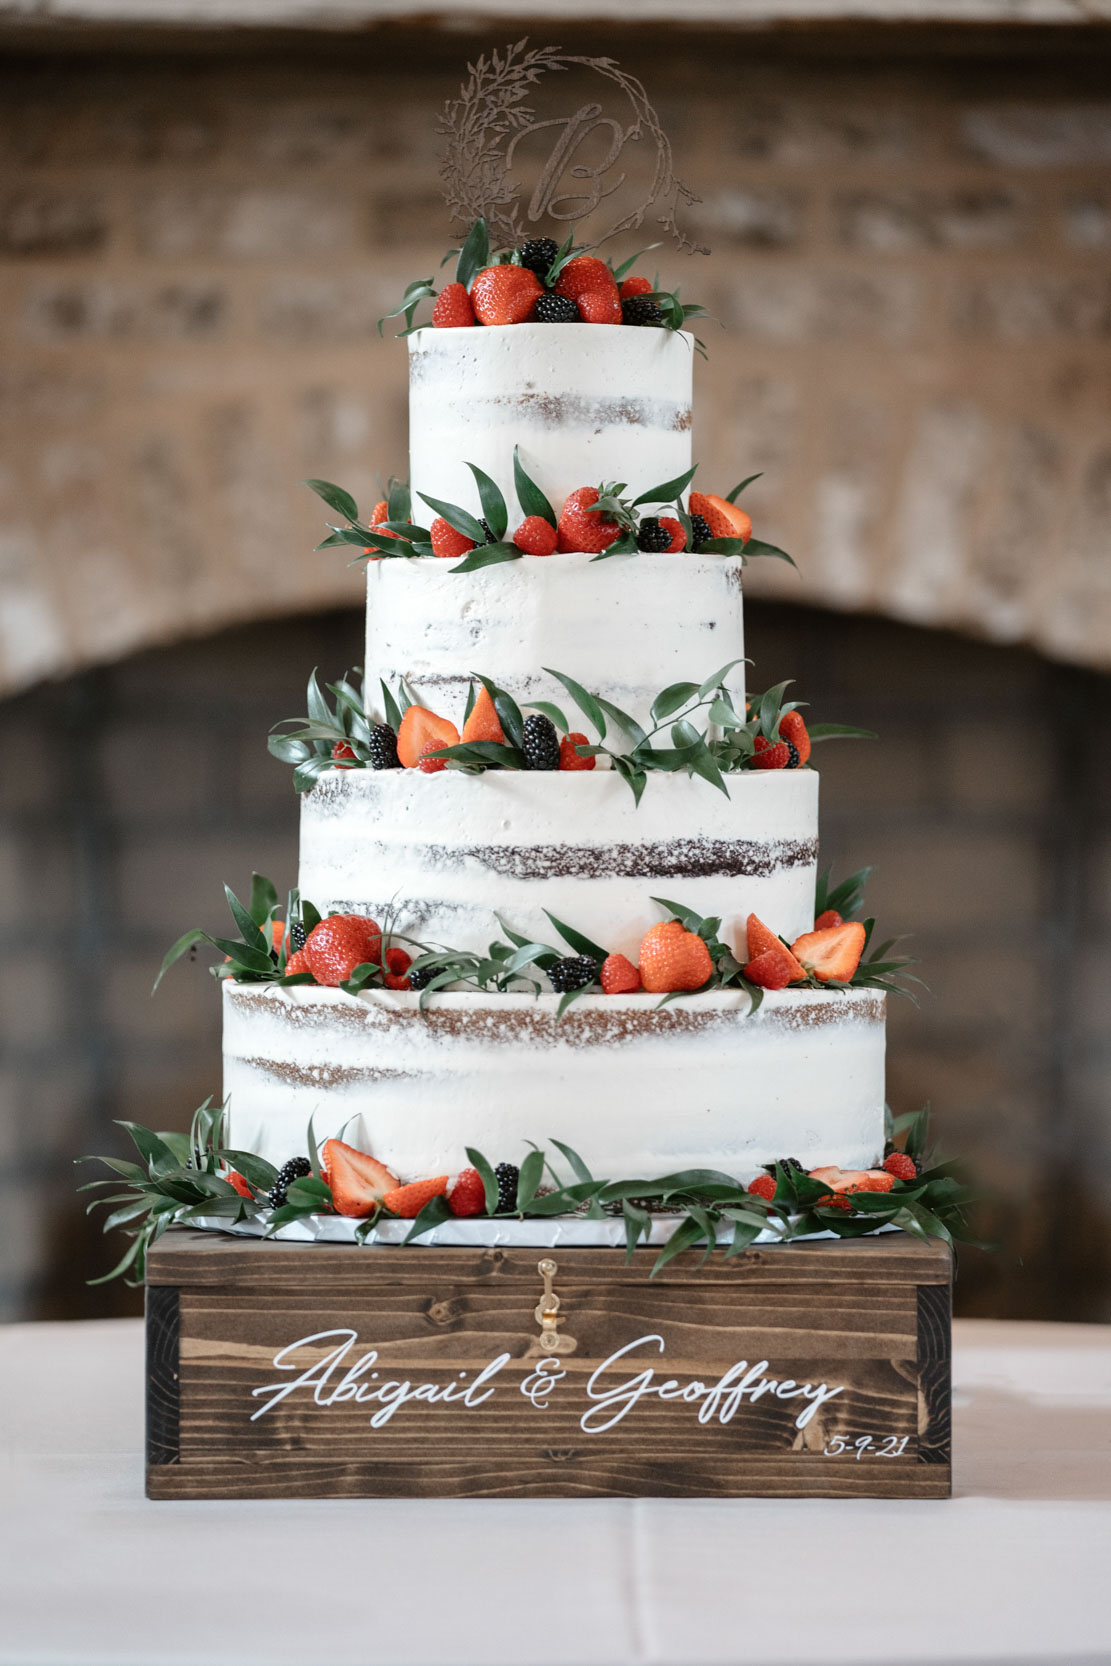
493 503
335 497
529 495
456 517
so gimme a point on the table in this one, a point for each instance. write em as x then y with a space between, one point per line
1012 1569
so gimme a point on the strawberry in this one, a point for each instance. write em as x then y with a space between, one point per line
619 976
505 294
833 953
770 962
725 519
420 730
901 1166
678 536
672 958
453 309
769 756
768 970
843 1182
340 943
357 1179
340 752
446 542
569 758
580 530
468 1195
408 1201
399 963
380 513
635 286
829 918
599 306
763 1186
792 728
483 723
584 273
298 962
536 536
426 763
236 1181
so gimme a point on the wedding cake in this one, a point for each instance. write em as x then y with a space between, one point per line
643 1075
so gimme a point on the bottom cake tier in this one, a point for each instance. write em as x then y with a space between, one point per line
638 1090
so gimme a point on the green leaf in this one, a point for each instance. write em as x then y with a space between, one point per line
392 710
577 941
626 266
335 497
252 936
529 495
731 497
487 1176
839 731
756 546
474 256
671 698
493 503
489 555
668 491
552 713
314 1154
577 1166
456 517
532 1172
154 1151
182 946
686 1235
436 1212
718 678
628 725
398 500
587 704
255 1170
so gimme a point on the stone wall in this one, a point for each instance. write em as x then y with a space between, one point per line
132 792
911 272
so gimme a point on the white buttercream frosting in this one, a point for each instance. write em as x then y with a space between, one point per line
448 850
636 1090
624 628
585 403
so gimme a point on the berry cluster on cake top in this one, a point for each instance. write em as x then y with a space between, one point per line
538 281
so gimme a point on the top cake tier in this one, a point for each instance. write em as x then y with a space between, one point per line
585 403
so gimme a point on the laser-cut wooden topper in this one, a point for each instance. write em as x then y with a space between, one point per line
574 161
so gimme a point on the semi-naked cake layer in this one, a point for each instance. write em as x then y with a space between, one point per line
624 628
448 850
636 1090
584 402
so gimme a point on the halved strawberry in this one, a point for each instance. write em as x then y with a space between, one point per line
832 953
236 1181
726 520
792 728
846 1181
358 1180
483 723
408 1201
399 963
766 949
421 729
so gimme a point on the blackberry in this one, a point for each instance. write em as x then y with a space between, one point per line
422 976
540 743
537 254
787 1163
487 529
573 972
382 747
296 1169
297 935
641 309
652 537
507 1176
792 754
555 309
700 531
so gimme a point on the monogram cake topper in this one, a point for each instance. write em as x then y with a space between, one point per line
610 167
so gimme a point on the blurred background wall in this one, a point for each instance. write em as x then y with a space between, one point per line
911 234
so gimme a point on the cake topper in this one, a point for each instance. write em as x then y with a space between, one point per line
581 165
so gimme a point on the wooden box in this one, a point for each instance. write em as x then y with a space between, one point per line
815 1369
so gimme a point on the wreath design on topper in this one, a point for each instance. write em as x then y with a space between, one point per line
486 123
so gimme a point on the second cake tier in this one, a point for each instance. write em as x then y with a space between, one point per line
448 851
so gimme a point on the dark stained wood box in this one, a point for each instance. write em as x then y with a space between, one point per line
803 1370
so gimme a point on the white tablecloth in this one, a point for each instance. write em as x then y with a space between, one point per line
1014 1569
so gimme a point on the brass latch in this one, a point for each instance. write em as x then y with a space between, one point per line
546 1311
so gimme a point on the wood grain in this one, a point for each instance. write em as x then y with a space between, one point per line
162 1400
868 1317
